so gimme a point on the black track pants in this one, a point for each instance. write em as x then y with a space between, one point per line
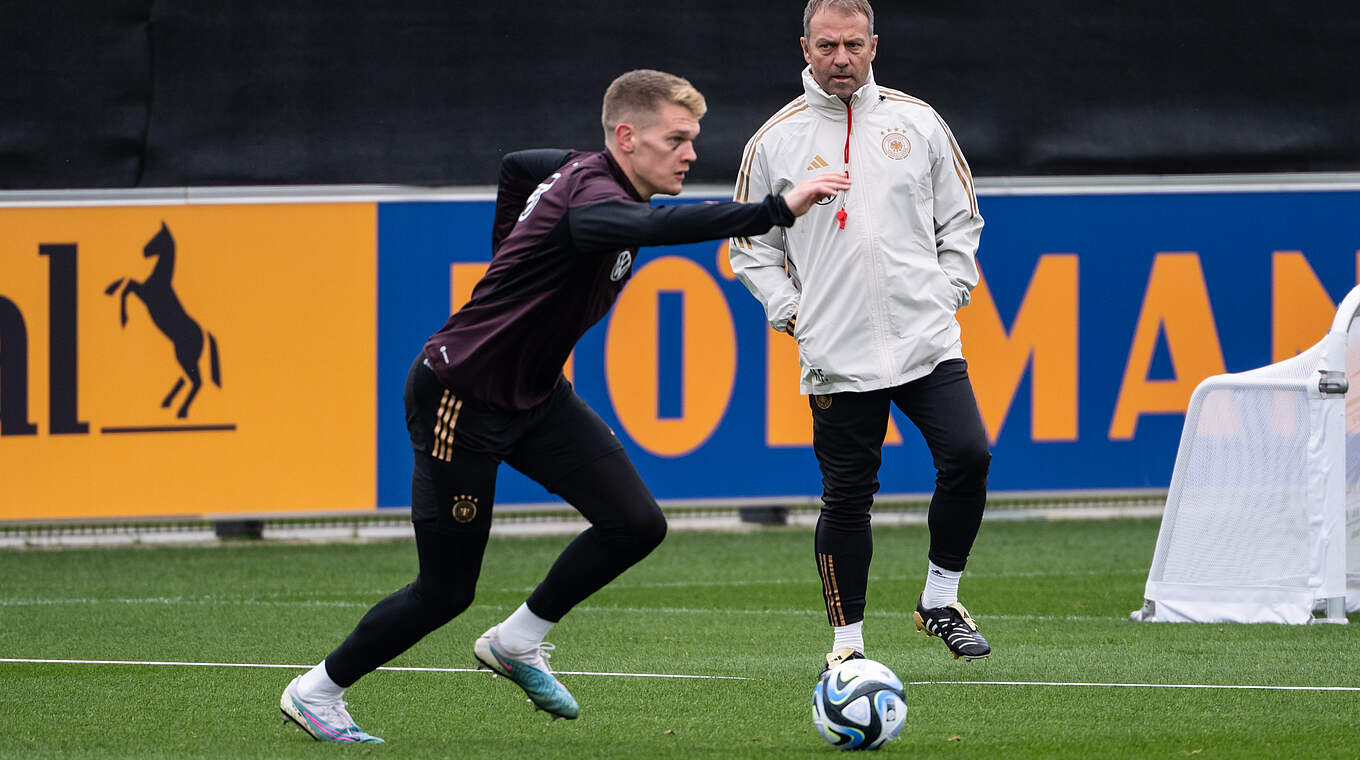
848 431
563 445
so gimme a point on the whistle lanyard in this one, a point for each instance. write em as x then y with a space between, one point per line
841 215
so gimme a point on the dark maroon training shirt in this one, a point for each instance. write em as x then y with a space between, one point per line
566 231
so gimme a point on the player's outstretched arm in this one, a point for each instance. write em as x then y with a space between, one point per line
801 197
616 223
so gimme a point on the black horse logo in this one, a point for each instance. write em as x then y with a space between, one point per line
168 314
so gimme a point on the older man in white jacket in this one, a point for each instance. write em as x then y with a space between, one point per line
868 284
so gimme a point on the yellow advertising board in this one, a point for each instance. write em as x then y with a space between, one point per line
185 360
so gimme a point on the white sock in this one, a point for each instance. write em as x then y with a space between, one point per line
316 686
849 636
523 631
942 587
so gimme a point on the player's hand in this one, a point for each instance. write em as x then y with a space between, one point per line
791 323
809 191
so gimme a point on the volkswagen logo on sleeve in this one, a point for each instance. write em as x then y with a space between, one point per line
621 266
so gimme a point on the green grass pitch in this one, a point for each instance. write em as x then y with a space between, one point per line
1053 597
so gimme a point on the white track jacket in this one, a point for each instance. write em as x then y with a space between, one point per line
875 299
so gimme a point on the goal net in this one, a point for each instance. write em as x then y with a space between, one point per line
1262 520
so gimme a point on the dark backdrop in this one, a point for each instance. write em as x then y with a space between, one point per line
146 93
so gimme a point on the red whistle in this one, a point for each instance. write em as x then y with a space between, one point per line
840 217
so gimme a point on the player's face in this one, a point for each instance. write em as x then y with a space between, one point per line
839 50
663 151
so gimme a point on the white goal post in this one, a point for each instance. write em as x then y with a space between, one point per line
1262 520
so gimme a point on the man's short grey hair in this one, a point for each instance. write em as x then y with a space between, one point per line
849 6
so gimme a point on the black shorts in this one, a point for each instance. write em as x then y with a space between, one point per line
546 443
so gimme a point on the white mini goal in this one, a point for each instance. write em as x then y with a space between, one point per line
1262 520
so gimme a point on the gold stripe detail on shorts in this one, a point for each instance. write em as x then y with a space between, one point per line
444 422
437 450
450 420
827 567
453 421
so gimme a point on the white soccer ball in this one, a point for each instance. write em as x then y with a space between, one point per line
859 704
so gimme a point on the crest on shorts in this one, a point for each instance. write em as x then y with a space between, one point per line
465 508
896 145
823 402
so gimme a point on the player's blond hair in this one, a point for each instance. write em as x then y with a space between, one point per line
636 97
848 6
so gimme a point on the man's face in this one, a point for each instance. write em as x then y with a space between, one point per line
839 50
663 150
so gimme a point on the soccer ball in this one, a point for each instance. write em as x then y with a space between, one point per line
859 704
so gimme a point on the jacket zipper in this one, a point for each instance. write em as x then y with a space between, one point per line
878 312
849 123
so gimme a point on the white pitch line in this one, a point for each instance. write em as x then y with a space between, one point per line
816 612
584 609
812 580
576 673
401 669
1251 687
1135 685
